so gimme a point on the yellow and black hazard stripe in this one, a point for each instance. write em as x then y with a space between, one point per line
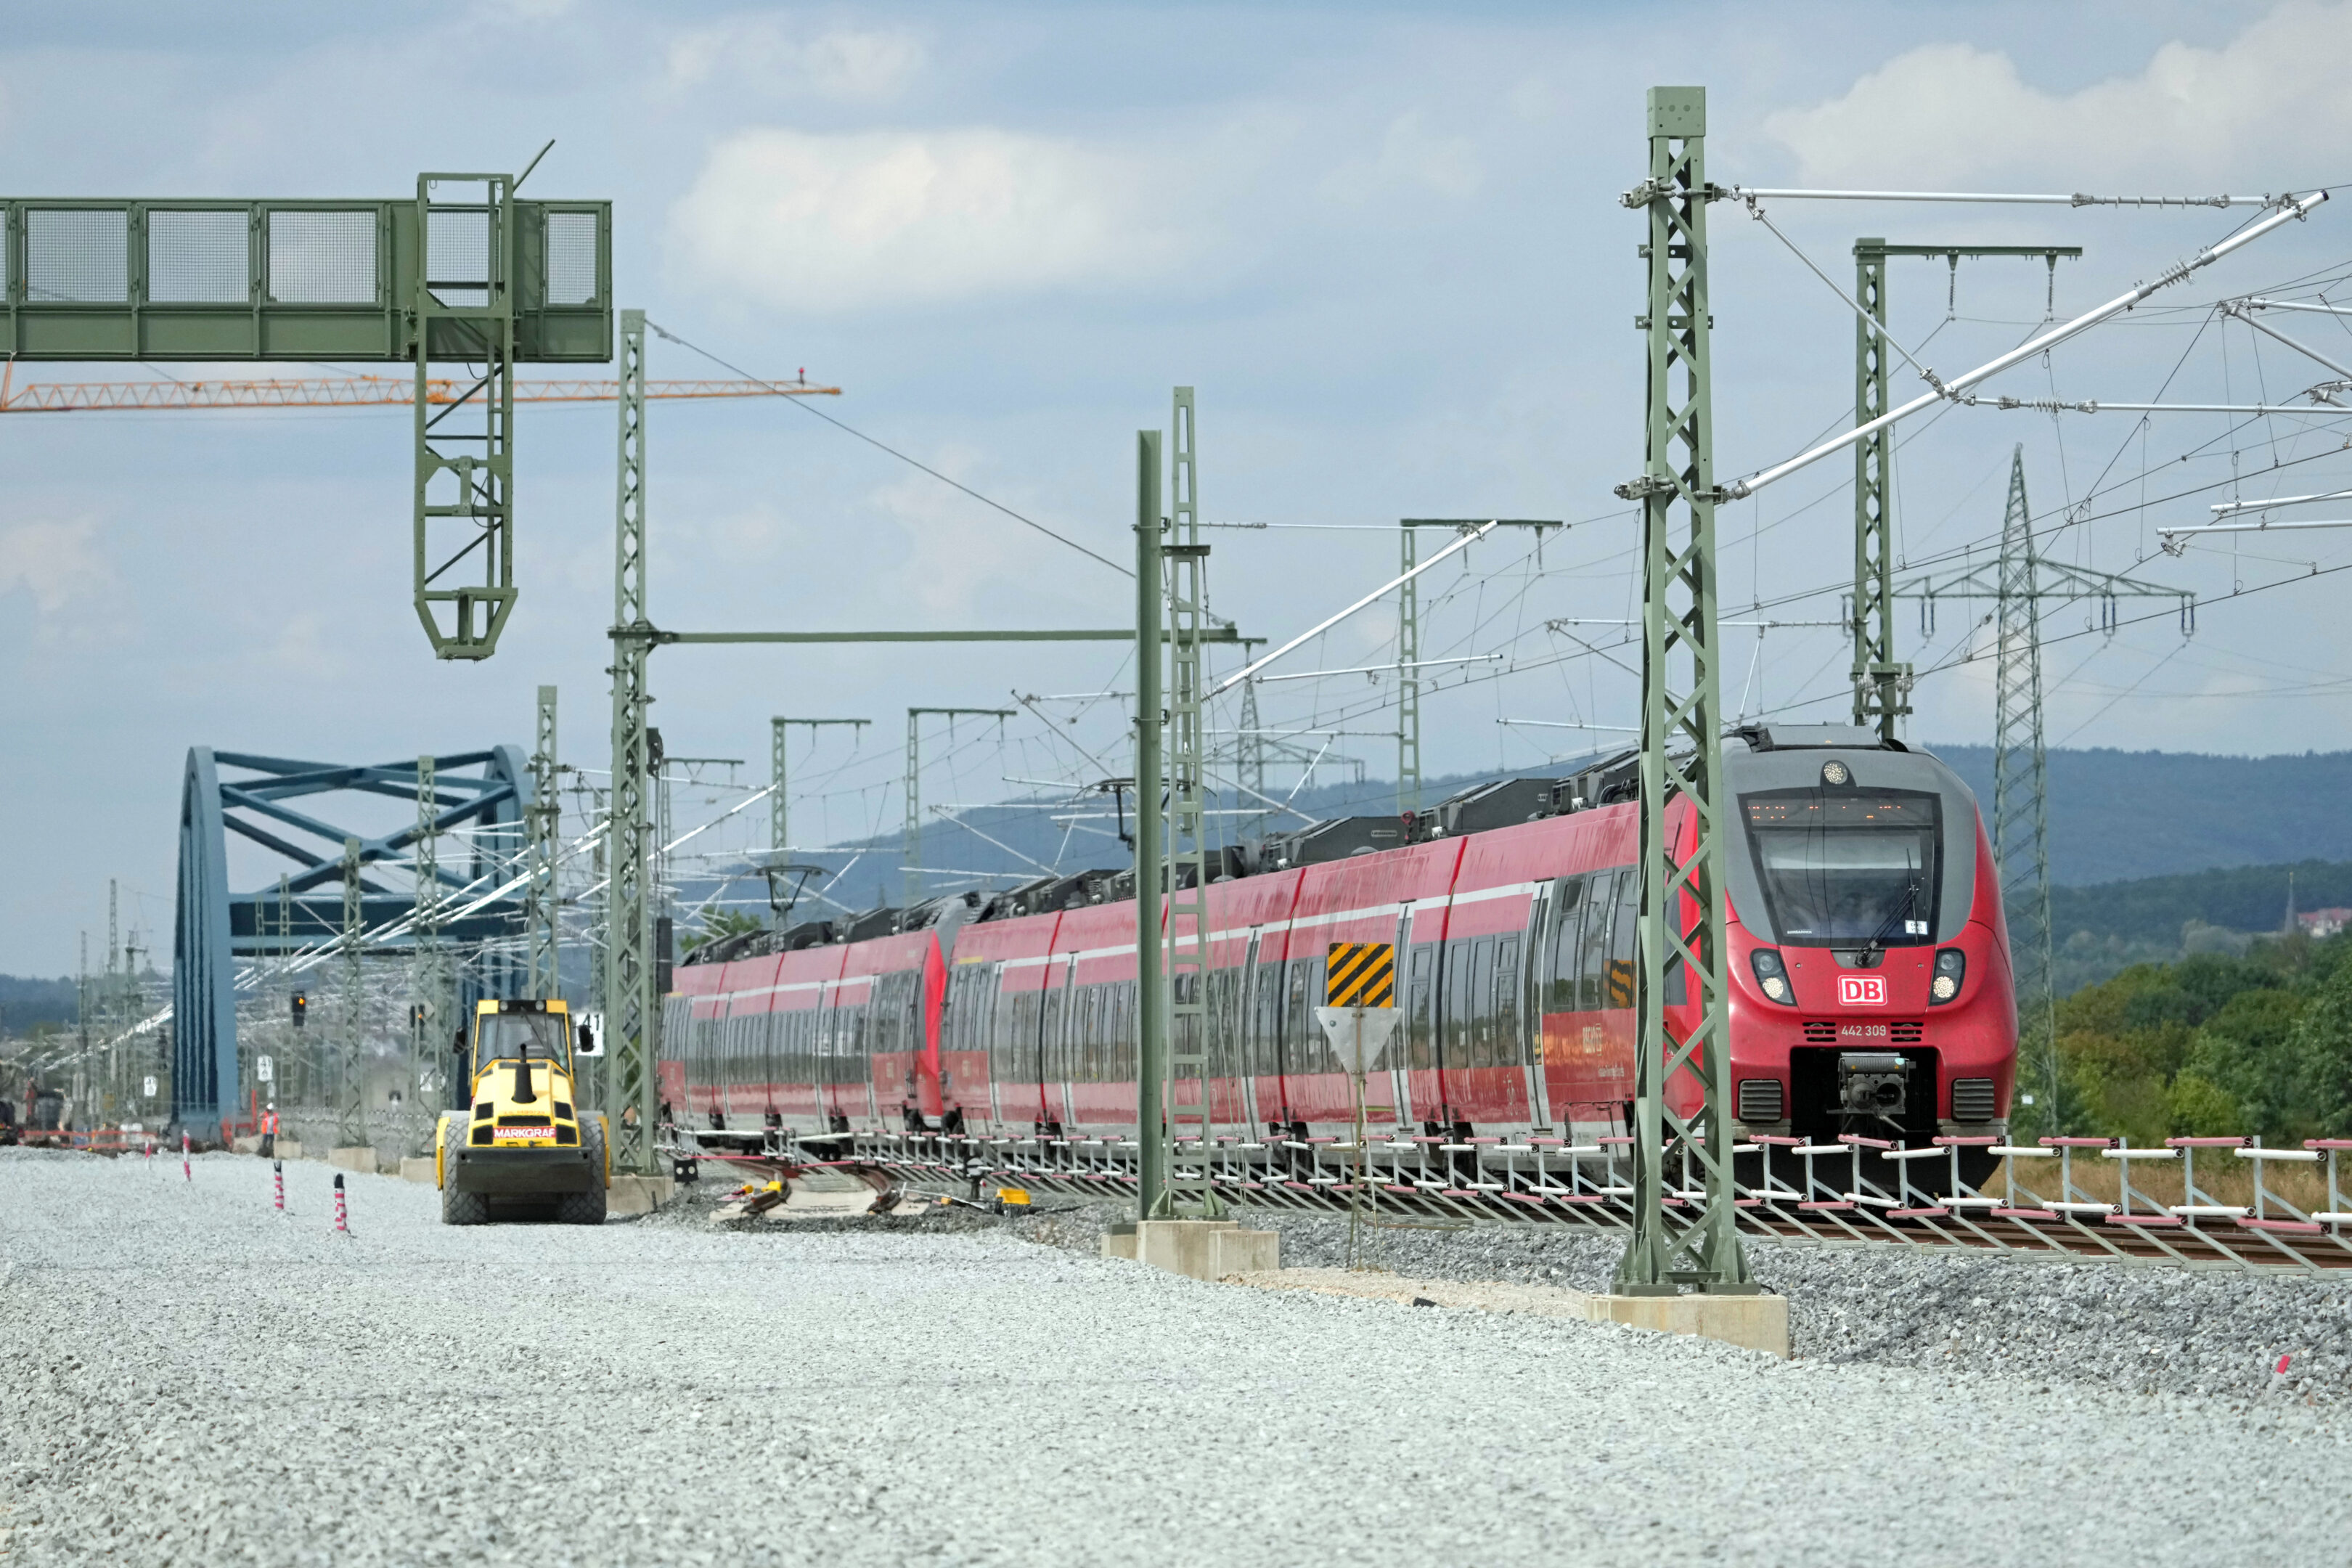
1360 974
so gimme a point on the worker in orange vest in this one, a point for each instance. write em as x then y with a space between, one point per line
270 1131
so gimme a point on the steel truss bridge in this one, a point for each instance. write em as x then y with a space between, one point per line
486 796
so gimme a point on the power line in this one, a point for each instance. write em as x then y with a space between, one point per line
911 462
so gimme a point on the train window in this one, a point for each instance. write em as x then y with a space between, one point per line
1420 1018
1050 1046
1130 1041
1101 1020
1554 972
1270 979
1849 866
978 1008
1019 1040
1306 974
1453 1008
1309 1051
1482 1001
1092 1034
1219 1019
955 1008
1624 943
1593 961
1509 1049
1183 1027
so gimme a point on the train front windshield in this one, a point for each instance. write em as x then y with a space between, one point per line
1849 867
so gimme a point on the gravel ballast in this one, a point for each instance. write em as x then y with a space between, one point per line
193 1380
2132 1328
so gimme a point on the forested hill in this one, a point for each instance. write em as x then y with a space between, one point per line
2117 816
27 1002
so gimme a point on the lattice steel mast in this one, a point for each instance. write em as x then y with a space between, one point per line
1882 683
911 838
464 306
1681 742
1409 640
546 846
1407 675
351 1098
1151 1189
1184 967
779 826
2021 817
632 1004
428 980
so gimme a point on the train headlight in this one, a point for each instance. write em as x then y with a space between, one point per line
1836 775
1772 976
1951 968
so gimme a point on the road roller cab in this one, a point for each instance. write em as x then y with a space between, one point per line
523 1136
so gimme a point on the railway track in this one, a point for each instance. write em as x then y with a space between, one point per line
2279 1239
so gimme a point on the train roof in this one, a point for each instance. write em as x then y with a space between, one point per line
1482 808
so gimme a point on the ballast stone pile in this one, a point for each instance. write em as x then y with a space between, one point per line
193 1381
2135 1327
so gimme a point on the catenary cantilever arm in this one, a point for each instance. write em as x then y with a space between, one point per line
2289 210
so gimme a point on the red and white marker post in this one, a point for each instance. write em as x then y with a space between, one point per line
343 1221
187 1169
277 1173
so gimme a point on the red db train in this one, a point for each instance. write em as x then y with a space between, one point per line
1870 990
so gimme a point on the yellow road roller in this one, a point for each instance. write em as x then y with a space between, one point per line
522 1138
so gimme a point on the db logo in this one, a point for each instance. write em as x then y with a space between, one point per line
1862 990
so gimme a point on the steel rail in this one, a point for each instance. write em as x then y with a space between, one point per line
1268 1174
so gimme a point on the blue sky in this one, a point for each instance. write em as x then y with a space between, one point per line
1383 243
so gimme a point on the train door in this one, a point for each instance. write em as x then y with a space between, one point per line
1265 1038
1456 1005
966 1086
728 1032
821 1024
1016 1073
1242 1040
771 1028
797 1092
1395 1075
1479 1067
1053 1042
907 1023
1529 1045
1424 972
1619 1024
1295 1048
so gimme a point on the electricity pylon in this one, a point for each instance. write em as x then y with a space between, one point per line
2017 583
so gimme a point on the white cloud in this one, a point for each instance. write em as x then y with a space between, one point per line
957 557
55 561
845 64
1948 113
841 222
1414 157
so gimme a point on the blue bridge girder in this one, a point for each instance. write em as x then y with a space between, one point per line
215 926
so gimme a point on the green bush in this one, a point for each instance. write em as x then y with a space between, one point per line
2213 1044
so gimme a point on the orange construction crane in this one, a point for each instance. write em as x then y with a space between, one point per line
351 392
